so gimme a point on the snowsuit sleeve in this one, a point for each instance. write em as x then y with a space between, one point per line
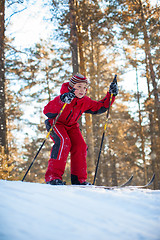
98 107
52 109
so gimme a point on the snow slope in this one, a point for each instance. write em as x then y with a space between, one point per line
32 211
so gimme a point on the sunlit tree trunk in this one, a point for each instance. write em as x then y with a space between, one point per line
141 133
154 144
113 170
88 117
152 73
73 37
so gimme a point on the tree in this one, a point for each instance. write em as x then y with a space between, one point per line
42 68
73 37
138 22
149 56
3 136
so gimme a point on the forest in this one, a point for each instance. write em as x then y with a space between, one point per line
97 39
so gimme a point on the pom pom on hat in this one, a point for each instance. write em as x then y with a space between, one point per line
78 78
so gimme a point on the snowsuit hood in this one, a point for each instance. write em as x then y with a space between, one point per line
64 88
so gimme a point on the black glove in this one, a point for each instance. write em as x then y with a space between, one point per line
113 87
68 97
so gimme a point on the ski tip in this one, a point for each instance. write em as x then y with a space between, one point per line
152 179
130 179
127 182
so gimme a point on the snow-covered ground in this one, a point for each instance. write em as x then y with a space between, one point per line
32 211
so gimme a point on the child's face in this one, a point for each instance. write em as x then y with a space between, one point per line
80 89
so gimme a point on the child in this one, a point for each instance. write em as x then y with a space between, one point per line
67 136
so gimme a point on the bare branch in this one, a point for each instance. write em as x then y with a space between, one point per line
9 18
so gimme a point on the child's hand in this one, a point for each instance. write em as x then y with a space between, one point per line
68 97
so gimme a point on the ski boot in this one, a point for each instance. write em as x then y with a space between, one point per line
56 182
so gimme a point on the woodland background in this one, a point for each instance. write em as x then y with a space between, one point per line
98 39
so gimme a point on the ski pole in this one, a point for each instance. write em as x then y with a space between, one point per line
105 126
45 140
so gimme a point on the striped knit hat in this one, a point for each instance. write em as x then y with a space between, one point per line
78 78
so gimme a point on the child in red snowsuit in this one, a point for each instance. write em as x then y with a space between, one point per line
67 136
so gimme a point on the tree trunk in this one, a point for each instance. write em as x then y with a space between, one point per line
88 117
73 37
3 130
113 170
152 73
154 146
141 129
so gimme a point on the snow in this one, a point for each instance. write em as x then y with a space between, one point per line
43 212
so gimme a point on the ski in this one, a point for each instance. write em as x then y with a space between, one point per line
122 186
132 187
143 186
127 182
116 187
106 187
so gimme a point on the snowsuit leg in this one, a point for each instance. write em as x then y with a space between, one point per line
78 156
67 139
59 154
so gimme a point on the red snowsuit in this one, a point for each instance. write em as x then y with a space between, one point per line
67 136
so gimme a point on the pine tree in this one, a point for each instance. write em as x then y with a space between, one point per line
135 22
3 136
